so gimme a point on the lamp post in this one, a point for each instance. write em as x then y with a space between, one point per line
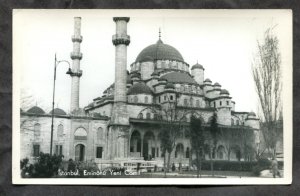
69 72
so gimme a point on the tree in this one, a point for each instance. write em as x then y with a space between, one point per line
214 132
166 146
170 117
266 71
197 141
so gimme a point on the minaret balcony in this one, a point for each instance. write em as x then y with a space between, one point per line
77 74
121 39
116 19
76 55
77 38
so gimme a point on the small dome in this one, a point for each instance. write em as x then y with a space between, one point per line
207 80
170 85
224 91
217 84
36 110
178 77
58 111
159 51
139 88
197 66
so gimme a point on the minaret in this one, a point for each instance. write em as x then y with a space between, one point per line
121 40
76 56
119 123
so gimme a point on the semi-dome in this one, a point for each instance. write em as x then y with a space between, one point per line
58 111
139 88
36 110
179 77
159 51
197 66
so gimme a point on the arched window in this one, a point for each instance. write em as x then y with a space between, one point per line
80 134
237 122
220 103
185 102
60 130
37 129
140 116
135 99
232 122
148 115
146 99
197 103
171 97
155 116
99 133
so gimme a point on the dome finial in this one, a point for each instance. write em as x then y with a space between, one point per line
159 33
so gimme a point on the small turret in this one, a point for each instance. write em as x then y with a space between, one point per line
198 73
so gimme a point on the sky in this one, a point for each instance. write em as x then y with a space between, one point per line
224 42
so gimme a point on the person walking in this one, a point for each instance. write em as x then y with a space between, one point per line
274 167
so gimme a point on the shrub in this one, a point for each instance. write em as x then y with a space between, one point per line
262 164
46 166
26 168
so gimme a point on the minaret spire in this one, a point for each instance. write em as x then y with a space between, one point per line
76 56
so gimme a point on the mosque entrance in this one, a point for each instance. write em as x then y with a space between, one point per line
149 146
79 152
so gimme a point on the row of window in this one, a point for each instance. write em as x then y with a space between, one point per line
37 130
164 64
36 150
80 132
221 103
59 150
136 99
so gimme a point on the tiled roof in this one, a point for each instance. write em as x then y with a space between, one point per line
179 77
159 51
139 88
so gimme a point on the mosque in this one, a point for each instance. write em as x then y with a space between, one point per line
124 122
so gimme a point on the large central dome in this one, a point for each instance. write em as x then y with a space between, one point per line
159 51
